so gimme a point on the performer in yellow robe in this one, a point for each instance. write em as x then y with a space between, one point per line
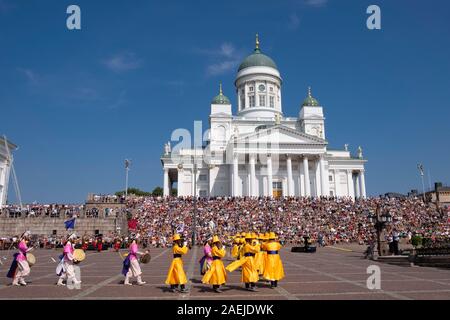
235 249
241 248
259 257
249 272
274 266
176 275
216 275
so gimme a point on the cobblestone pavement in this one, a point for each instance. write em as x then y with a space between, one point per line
330 273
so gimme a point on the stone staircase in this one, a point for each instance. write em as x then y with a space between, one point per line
442 261
404 261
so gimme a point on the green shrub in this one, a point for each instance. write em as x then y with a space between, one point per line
416 241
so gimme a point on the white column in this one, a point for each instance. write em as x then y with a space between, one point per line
235 175
301 179
193 177
324 177
350 192
269 176
317 182
357 188
363 184
210 179
180 182
306 173
252 176
337 183
290 185
166 182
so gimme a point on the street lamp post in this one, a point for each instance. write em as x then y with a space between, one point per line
127 168
194 224
420 167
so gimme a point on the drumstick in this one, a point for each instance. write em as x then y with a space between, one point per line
120 255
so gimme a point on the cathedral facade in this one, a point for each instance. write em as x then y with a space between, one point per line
260 151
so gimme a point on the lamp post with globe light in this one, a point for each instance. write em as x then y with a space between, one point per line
127 168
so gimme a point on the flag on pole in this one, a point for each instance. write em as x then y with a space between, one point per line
70 224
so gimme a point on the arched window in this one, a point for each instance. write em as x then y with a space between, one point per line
221 133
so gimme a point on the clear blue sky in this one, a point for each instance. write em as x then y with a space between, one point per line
79 102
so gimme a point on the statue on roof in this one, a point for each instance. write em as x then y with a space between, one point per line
277 119
166 149
360 153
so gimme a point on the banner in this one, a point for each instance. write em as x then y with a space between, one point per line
70 224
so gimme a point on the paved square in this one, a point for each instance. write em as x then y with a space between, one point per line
330 273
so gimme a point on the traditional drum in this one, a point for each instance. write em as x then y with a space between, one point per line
145 258
79 255
31 259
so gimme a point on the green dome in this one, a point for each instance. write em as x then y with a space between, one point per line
220 98
257 59
310 101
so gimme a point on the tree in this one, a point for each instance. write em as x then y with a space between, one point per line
158 191
416 241
134 191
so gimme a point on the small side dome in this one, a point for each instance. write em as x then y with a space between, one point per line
310 101
220 98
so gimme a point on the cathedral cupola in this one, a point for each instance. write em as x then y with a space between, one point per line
258 86
257 59
220 98
310 101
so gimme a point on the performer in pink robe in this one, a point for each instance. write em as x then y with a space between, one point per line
22 269
67 263
131 267
207 259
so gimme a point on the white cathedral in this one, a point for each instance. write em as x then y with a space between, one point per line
261 152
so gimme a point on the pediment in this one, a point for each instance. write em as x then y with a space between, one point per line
280 134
